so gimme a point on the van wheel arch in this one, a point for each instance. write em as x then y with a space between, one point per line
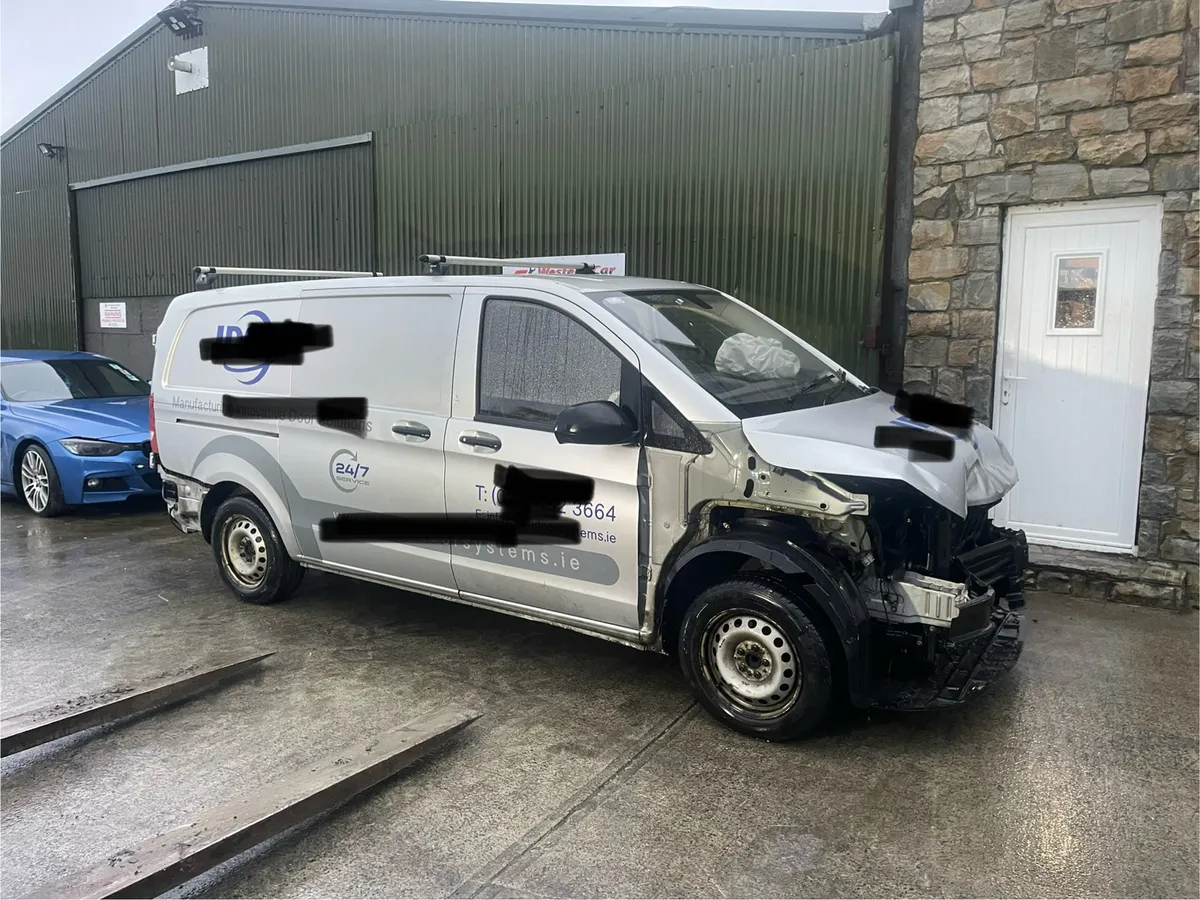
217 495
730 554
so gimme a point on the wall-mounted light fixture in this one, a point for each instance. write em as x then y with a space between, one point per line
50 151
182 20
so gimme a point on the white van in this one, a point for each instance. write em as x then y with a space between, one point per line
743 518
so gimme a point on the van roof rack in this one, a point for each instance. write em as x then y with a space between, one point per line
207 275
437 263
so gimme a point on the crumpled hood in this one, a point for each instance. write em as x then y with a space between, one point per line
839 439
105 418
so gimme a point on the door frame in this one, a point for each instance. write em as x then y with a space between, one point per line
466 383
1018 214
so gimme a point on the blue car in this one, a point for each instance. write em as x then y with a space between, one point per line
74 429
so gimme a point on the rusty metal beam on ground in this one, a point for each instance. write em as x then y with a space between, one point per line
169 859
40 726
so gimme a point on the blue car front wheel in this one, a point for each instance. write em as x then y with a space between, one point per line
39 482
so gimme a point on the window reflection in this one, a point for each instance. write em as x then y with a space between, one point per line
1075 297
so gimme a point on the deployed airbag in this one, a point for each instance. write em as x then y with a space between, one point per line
747 356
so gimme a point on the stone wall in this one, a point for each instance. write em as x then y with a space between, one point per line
1037 101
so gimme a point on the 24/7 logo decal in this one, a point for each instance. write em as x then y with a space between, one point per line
347 473
254 373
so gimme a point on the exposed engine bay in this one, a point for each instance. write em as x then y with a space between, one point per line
939 580
917 565
926 568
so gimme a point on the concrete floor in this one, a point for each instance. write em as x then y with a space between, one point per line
592 773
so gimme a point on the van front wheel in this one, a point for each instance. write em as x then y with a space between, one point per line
250 554
755 659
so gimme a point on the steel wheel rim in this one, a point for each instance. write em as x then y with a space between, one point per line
244 552
751 661
35 481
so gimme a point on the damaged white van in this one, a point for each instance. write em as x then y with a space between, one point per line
743 519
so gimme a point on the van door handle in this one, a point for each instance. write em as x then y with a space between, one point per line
411 429
479 439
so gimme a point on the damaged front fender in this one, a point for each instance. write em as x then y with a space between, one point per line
827 586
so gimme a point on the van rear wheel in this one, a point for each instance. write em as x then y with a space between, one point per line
755 659
250 554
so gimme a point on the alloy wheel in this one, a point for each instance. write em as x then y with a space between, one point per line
35 480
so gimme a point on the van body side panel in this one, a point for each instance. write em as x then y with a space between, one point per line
668 489
396 348
595 580
195 438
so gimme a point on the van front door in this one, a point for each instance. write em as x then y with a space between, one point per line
524 356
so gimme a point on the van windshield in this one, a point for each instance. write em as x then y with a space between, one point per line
742 359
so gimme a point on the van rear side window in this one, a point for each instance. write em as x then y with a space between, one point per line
535 361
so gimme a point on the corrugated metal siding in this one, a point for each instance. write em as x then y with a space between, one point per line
142 238
766 180
39 302
428 89
438 186
37 290
283 77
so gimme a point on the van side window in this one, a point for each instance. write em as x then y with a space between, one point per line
534 361
668 429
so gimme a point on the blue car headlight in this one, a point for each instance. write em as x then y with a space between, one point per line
86 447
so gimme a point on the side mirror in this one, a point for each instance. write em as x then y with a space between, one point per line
596 422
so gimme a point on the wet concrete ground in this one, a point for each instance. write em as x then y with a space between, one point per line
592 773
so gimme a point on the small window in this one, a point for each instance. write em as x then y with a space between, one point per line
535 361
668 429
1076 293
664 424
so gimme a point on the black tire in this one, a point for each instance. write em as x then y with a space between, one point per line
46 499
263 572
755 630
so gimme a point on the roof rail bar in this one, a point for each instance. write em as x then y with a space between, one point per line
437 263
206 275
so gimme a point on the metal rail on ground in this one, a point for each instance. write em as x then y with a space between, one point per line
171 858
35 727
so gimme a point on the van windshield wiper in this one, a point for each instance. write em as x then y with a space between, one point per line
816 383
836 392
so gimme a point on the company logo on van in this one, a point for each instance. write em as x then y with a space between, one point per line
347 473
251 374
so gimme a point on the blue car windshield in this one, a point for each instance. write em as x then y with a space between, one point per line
45 381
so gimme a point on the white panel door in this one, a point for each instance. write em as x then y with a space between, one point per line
1073 367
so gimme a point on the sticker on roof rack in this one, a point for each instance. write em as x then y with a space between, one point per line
605 263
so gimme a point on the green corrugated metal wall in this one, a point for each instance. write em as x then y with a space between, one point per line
141 238
756 163
765 179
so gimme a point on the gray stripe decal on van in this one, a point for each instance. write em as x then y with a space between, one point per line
304 512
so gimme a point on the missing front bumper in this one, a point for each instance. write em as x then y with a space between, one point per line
961 671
